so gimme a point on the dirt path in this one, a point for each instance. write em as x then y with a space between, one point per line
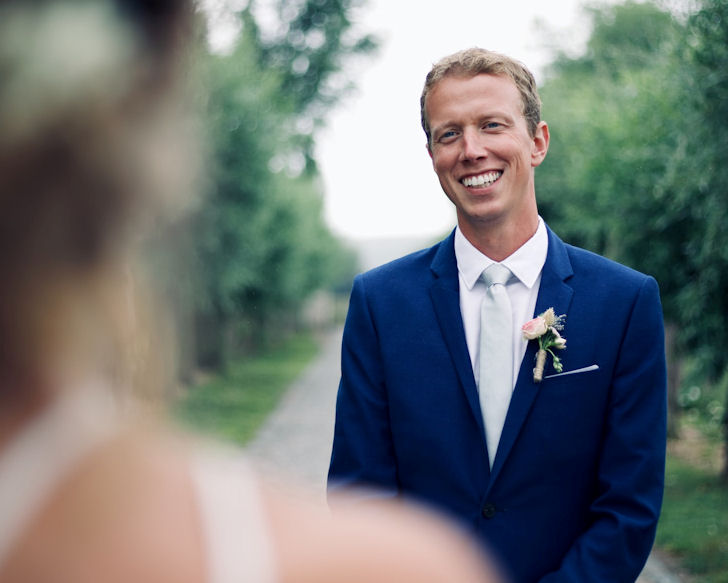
296 439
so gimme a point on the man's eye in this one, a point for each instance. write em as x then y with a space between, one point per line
447 136
492 125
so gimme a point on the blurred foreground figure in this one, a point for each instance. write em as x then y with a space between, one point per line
95 149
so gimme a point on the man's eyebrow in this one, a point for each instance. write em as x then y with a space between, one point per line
498 115
445 125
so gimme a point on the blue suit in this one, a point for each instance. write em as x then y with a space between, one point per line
576 487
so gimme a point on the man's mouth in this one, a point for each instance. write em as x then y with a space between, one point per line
485 179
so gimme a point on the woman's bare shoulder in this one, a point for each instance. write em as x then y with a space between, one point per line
383 542
127 513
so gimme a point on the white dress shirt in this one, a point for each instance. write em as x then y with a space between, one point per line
526 264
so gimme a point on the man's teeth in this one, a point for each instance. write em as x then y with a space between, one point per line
483 179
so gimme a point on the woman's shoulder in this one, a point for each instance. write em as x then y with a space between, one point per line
383 541
126 512
146 506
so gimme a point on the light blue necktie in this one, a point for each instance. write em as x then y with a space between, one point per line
496 355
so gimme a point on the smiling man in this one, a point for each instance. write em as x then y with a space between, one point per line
560 473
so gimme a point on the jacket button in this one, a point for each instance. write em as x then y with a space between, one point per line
488 510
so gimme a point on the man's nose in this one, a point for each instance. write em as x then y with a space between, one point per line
473 145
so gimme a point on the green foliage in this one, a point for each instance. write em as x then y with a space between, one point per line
611 144
232 224
703 401
694 521
262 247
632 33
636 166
636 171
234 406
707 95
313 41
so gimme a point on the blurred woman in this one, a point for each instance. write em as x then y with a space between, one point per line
96 148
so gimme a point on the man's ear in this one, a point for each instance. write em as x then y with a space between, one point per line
429 150
540 144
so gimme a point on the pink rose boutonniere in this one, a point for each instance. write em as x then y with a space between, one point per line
545 328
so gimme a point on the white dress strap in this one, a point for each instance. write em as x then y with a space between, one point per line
47 450
236 532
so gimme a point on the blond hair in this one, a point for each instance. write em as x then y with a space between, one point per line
477 61
91 154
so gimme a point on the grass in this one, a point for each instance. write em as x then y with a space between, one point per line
233 406
693 526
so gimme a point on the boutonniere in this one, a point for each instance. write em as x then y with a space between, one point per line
545 328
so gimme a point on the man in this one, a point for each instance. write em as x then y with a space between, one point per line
560 478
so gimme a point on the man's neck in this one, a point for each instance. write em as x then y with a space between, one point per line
499 241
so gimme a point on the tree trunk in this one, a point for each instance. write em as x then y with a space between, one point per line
724 421
212 340
673 381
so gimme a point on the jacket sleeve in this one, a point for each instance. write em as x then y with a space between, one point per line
362 454
626 505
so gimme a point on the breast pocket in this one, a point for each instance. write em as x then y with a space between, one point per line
568 414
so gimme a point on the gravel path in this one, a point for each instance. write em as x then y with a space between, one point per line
296 439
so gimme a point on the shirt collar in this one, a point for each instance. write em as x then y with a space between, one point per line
525 263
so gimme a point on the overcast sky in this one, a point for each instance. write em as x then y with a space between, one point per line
377 175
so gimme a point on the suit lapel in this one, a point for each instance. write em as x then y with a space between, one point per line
553 293
445 295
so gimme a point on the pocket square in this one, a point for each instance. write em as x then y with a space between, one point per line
576 371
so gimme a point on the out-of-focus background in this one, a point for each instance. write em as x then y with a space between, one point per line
318 170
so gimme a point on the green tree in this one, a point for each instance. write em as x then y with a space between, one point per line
636 169
702 184
230 227
262 245
605 184
311 44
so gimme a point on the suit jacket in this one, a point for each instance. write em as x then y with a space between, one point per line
576 487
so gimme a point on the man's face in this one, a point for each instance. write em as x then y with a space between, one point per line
482 151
